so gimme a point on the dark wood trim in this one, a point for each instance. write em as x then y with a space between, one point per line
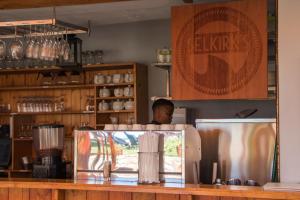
16 4
187 1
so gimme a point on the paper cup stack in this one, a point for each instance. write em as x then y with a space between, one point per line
149 157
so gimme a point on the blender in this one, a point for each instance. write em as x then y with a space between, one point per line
48 143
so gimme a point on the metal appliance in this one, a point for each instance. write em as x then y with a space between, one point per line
5 146
93 148
48 141
242 148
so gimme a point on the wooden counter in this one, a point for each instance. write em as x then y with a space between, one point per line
33 189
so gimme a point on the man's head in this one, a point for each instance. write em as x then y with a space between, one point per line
162 111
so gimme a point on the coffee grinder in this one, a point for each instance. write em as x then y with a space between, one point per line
48 143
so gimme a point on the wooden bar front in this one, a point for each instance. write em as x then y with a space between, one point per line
31 189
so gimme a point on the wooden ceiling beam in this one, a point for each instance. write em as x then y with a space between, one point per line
19 4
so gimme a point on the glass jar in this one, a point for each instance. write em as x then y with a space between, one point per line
99 56
90 58
89 105
84 57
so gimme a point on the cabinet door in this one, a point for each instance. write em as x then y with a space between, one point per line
220 50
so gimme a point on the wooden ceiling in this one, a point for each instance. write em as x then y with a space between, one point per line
19 4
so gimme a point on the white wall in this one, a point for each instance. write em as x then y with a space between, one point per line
289 89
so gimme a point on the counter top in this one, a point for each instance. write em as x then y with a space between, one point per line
166 188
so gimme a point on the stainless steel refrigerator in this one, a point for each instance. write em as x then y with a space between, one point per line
242 148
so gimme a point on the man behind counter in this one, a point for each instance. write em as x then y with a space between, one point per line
162 111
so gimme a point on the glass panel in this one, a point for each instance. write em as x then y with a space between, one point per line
122 147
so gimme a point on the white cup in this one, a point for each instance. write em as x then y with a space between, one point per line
152 127
166 127
117 78
180 126
109 127
129 127
118 92
122 127
137 127
108 78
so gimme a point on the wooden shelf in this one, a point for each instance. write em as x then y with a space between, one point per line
114 98
23 139
32 69
113 84
100 124
108 66
5 114
56 68
50 87
14 88
21 171
115 111
30 138
54 113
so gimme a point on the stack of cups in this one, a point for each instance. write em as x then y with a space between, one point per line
149 158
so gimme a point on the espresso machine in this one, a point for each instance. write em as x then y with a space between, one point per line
48 143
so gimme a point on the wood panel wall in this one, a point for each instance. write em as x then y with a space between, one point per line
220 50
48 194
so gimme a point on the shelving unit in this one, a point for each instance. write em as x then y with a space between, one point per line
15 83
45 87
114 98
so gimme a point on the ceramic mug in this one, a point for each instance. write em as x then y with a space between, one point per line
166 127
118 105
129 104
137 127
109 127
118 92
103 106
128 91
122 127
104 92
129 127
108 79
99 79
128 78
117 78
152 127
180 126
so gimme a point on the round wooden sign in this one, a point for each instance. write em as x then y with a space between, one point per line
224 52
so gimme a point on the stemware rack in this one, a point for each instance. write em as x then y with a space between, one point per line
37 28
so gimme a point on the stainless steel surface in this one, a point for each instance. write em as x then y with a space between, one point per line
92 148
243 148
236 120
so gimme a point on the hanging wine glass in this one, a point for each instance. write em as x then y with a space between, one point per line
67 48
2 50
29 48
44 52
62 46
52 46
36 47
16 48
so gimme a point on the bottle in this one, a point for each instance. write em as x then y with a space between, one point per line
106 170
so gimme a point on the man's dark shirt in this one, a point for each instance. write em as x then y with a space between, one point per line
155 122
